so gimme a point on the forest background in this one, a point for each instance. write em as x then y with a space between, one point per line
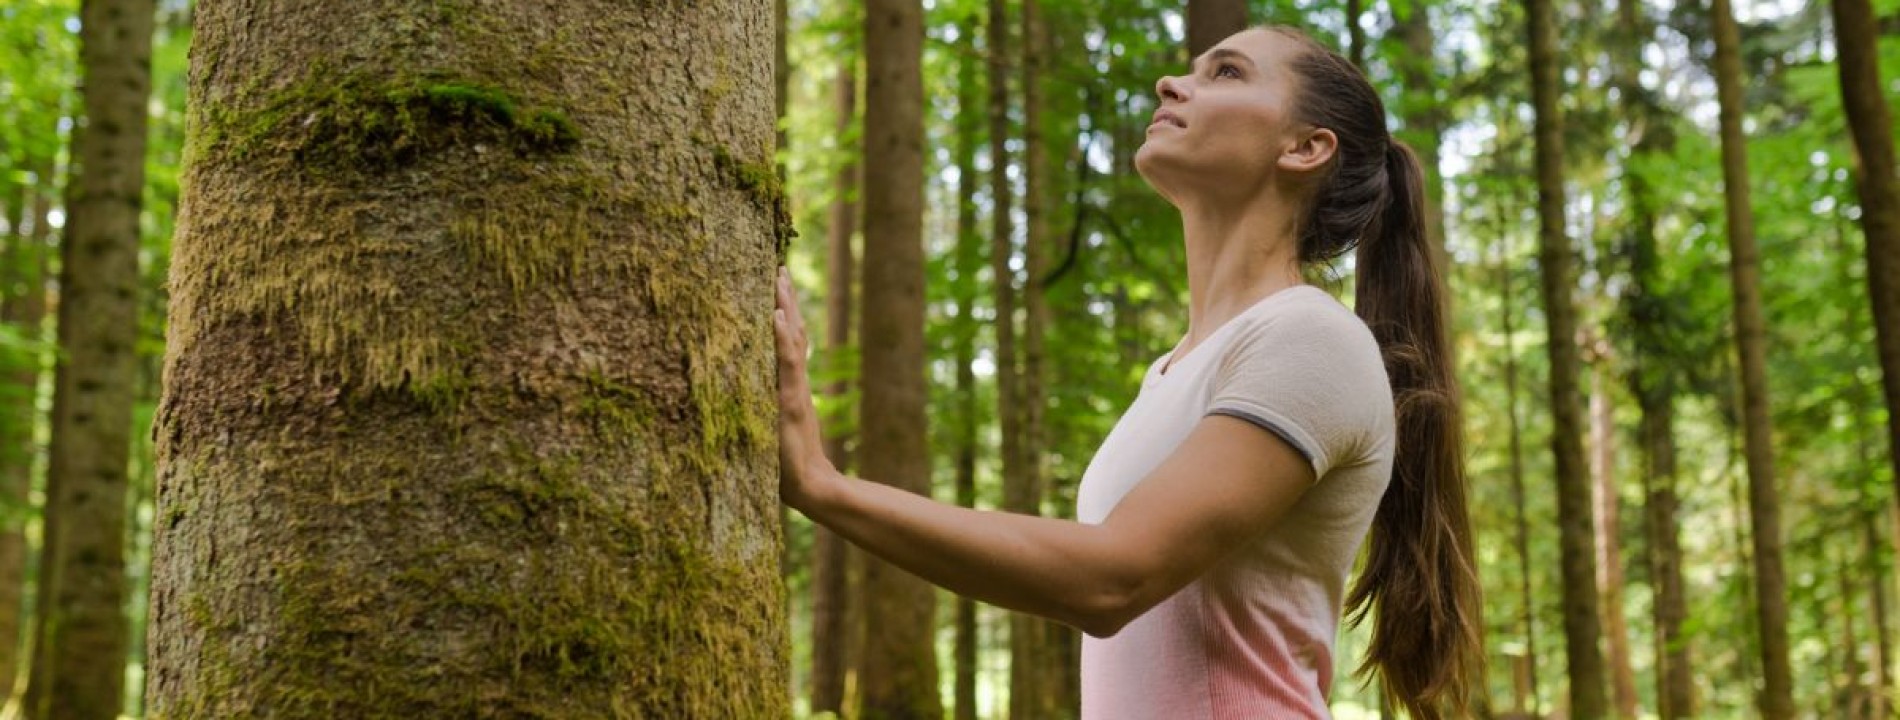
1659 231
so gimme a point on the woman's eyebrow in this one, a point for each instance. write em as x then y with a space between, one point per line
1222 53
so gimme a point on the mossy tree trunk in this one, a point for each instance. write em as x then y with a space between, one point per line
1764 499
469 406
1211 21
898 664
82 632
831 587
1574 517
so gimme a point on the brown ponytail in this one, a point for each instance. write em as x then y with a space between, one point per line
1419 583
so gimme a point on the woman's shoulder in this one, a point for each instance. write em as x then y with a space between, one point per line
1309 315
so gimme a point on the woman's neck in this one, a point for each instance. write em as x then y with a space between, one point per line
1236 255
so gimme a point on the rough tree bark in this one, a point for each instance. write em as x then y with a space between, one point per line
82 633
831 636
1771 608
1211 21
897 667
1581 628
469 406
1032 671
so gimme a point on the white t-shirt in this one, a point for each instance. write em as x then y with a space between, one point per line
1254 637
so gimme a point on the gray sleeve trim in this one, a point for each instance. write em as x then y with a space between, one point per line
1269 426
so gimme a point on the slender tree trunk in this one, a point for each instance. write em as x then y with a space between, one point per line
1777 699
1355 34
1211 21
969 260
1851 694
1011 409
831 640
1032 670
25 308
1855 30
469 412
1507 317
1651 374
898 667
1423 116
1609 549
85 632
1877 599
1582 631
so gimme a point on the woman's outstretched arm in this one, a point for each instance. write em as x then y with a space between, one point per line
1228 481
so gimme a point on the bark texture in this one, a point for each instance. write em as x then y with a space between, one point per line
831 636
1582 630
1764 503
1032 670
83 631
898 665
1211 21
1855 32
469 406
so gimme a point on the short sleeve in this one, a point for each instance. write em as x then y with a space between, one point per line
1312 376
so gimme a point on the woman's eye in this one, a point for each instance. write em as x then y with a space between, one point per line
1226 70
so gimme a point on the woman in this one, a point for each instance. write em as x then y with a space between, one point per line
1220 518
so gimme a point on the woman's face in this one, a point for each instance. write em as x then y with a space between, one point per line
1224 127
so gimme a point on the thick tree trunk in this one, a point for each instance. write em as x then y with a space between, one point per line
1609 548
831 636
1676 694
84 633
1211 21
1777 698
1581 628
469 406
25 308
1868 117
969 260
898 665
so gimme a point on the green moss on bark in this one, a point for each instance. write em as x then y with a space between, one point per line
367 124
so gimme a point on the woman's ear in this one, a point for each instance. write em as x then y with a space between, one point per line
1311 152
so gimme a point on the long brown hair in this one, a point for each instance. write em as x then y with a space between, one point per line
1419 583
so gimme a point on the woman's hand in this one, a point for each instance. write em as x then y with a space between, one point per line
803 467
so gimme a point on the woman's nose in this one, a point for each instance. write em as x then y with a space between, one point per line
1168 88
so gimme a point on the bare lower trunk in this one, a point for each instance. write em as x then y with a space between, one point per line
1777 698
1526 700
969 260
898 666
469 401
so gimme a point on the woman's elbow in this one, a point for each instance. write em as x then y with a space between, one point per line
1105 612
